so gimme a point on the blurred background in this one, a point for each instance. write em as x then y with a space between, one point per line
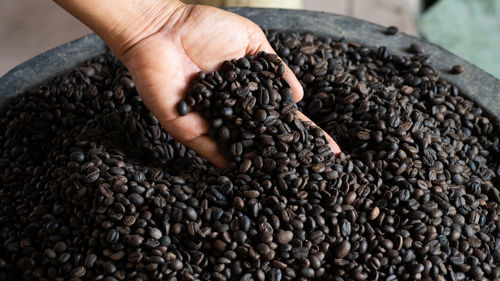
469 28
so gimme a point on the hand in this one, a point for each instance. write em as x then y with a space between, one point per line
164 53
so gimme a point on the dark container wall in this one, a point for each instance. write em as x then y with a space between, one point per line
478 85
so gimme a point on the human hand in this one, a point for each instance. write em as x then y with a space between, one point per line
167 45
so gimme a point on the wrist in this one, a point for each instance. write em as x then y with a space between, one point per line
122 24
144 19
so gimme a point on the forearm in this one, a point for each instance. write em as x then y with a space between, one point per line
122 23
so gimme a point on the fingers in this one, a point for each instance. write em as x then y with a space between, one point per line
160 85
333 145
185 128
298 91
210 149
191 130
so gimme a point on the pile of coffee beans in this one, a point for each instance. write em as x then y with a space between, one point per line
281 185
92 188
421 159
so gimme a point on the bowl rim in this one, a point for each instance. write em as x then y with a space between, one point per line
475 83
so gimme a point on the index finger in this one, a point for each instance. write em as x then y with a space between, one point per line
331 143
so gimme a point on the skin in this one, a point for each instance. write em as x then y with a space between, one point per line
164 44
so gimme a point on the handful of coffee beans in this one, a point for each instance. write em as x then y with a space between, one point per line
92 188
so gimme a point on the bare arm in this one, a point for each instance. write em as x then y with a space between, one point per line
164 44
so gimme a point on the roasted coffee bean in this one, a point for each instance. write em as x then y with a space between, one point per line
155 233
113 236
109 267
416 48
391 30
343 249
182 108
77 156
78 272
260 115
91 186
284 236
135 240
90 261
457 69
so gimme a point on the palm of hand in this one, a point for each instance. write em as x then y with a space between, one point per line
164 63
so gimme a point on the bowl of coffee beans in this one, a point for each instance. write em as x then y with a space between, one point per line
92 187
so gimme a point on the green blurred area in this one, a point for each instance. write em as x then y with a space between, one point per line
468 28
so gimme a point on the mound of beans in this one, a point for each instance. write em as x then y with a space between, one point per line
92 188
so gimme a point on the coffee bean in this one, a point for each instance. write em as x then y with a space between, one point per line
260 115
245 165
191 214
227 111
391 30
127 83
182 108
374 213
239 203
307 272
350 197
90 261
136 199
343 249
244 63
284 236
78 272
251 194
387 244
135 240
109 267
155 233
77 156
52 226
224 134
60 247
416 48
113 236
457 69
363 135
92 187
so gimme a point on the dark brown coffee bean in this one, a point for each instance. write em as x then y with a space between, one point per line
391 30
182 108
90 261
136 199
416 48
85 168
113 236
155 233
343 249
109 267
363 135
374 213
457 69
260 115
244 63
78 272
245 165
77 156
191 214
224 134
134 240
284 236
127 83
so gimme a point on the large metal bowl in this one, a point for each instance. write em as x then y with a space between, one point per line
475 83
